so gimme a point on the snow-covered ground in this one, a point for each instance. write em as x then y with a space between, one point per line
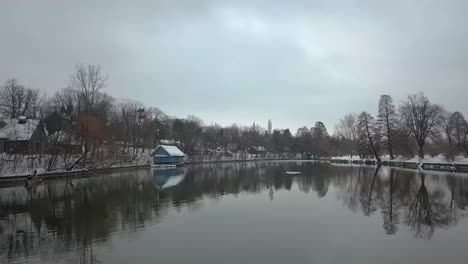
20 165
241 156
427 159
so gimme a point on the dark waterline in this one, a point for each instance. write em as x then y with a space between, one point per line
239 213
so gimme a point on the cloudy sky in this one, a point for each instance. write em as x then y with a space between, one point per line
242 61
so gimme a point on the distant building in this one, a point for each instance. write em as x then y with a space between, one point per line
22 136
270 126
167 155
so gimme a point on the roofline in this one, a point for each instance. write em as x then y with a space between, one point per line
162 146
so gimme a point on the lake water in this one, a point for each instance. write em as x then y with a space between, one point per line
239 213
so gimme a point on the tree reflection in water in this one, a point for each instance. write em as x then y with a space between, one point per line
390 208
420 216
430 210
370 208
75 216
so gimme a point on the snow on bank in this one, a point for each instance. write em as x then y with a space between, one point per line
427 159
241 156
20 165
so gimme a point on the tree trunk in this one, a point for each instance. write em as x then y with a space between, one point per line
421 151
371 143
369 203
390 150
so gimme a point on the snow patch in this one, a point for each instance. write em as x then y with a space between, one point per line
171 150
13 130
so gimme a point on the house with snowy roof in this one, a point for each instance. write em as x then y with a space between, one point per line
22 136
167 155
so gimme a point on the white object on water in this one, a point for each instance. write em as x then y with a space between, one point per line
173 181
293 172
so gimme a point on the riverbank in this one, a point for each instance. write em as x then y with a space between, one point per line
69 174
245 160
406 164
20 166
437 163
94 171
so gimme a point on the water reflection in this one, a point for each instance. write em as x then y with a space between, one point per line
68 219
166 178
429 210
390 208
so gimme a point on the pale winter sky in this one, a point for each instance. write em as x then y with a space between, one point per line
242 61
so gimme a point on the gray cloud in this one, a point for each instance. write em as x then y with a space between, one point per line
245 61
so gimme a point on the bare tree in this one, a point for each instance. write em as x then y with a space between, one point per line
347 128
127 116
403 142
446 125
87 81
442 136
151 127
187 133
16 100
368 133
459 131
420 117
66 102
387 121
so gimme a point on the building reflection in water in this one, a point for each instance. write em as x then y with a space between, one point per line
165 178
73 216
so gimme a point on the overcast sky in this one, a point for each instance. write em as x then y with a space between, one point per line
295 62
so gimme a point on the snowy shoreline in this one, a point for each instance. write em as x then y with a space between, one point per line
439 159
21 166
60 173
79 172
437 163
431 163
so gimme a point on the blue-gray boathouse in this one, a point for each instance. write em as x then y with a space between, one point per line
167 155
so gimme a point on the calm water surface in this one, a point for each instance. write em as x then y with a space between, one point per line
239 213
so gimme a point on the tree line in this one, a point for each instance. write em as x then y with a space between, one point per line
84 116
416 127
